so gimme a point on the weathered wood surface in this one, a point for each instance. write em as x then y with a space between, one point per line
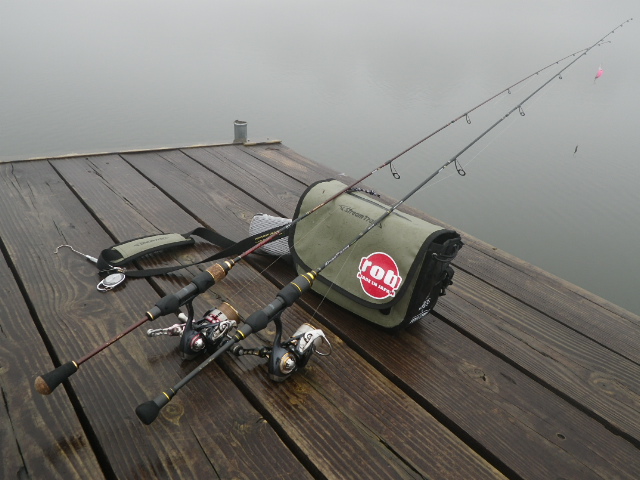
515 374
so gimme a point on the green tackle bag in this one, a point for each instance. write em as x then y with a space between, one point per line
392 276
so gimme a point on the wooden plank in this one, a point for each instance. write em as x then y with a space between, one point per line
358 414
12 463
45 214
291 163
39 439
506 413
598 379
315 429
249 174
206 190
565 303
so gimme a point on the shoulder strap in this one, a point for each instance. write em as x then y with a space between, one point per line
126 252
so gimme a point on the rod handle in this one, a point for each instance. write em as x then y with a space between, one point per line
47 383
147 412
200 283
292 291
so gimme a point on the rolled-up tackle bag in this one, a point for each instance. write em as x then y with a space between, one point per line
262 222
392 276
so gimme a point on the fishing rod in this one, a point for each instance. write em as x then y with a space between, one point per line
45 384
148 411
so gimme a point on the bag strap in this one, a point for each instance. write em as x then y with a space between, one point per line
126 252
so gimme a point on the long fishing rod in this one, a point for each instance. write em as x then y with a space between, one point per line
45 384
148 411
283 229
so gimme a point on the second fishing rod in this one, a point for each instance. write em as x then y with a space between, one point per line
148 411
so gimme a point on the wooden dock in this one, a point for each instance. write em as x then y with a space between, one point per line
516 373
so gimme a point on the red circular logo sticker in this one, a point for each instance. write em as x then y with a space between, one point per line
379 275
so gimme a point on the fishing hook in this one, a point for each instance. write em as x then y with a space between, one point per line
459 168
468 119
118 270
521 110
88 257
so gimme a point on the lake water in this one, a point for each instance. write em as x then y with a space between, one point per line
352 83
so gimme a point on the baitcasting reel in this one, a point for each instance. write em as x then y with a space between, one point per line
211 331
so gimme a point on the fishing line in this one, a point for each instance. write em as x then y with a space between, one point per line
459 168
511 122
502 131
258 274
331 284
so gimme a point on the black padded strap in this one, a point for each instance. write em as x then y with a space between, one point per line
158 243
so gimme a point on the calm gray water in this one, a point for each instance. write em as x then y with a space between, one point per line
352 83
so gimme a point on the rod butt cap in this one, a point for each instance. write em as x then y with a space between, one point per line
147 412
47 383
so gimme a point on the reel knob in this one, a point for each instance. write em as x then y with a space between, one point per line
197 343
280 368
287 364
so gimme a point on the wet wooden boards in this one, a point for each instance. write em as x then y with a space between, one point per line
515 374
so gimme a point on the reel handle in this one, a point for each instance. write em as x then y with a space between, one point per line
47 383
